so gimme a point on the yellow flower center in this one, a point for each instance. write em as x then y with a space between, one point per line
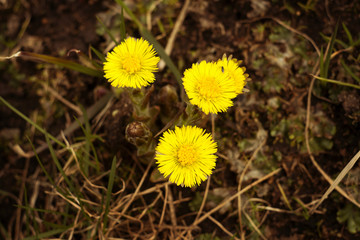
208 88
186 155
131 64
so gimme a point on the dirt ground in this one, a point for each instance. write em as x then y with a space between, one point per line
272 39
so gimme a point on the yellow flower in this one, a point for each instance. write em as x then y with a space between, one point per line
131 64
236 73
187 155
208 87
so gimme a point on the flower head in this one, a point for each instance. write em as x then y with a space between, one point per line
236 73
131 64
187 155
208 87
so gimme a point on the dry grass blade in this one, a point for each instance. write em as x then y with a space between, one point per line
163 210
283 194
337 180
73 228
298 32
222 227
178 24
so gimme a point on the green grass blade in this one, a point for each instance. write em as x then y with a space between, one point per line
31 122
44 170
327 39
348 70
122 26
5 193
329 52
66 212
109 191
47 234
88 137
88 144
74 191
305 212
348 34
107 31
322 62
98 54
4 231
84 160
128 11
337 82
97 163
160 50
357 42
58 165
62 63
99 223
45 211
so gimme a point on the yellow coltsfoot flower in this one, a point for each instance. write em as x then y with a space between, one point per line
131 64
208 87
187 155
237 74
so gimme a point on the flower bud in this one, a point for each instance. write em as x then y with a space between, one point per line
138 134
